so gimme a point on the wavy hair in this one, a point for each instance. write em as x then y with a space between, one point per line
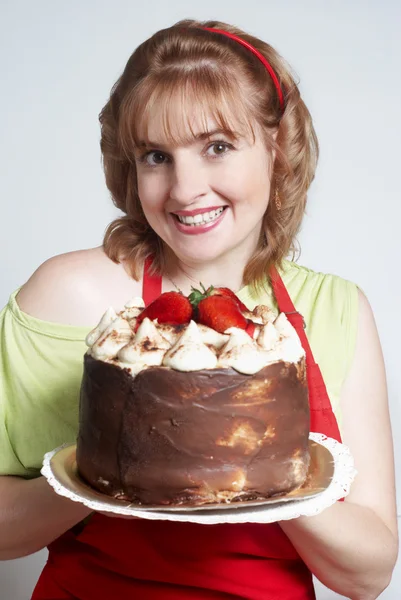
226 80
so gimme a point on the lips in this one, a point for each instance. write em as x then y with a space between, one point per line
198 221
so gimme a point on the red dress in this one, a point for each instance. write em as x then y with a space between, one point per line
121 559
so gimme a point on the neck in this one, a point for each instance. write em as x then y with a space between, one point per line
225 271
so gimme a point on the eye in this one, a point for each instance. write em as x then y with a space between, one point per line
218 148
153 158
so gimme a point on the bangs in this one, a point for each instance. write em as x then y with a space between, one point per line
178 107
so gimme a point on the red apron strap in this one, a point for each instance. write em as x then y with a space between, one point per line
286 306
323 419
151 285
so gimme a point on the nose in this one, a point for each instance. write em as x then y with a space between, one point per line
188 180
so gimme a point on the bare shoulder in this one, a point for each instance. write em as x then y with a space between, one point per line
76 288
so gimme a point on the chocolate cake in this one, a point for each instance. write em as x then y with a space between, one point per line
184 415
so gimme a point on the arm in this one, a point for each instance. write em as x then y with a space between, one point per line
32 515
72 289
352 546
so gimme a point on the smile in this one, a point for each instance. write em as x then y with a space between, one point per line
200 219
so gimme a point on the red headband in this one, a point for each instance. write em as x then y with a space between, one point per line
260 57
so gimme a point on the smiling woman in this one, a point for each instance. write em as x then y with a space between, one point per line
209 151
191 136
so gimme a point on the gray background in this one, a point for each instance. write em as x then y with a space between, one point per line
58 61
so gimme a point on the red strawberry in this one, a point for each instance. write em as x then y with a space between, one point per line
198 295
170 307
220 313
222 291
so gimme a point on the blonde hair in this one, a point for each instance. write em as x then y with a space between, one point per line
190 64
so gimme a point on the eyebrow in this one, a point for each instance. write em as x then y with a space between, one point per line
200 136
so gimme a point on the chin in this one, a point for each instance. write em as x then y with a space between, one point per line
200 255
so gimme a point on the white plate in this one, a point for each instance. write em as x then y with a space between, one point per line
330 475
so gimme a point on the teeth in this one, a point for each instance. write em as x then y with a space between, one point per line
201 219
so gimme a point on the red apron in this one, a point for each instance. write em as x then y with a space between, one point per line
113 558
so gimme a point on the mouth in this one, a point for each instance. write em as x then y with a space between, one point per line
201 218
199 221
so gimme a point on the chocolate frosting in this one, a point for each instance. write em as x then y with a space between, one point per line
170 437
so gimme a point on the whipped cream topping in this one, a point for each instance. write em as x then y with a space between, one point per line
169 332
210 337
264 314
133 308
268 337
283 325
114 337
194 346
105 321
148 347
241 353
190 353
135 302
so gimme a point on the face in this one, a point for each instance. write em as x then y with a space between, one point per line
206 198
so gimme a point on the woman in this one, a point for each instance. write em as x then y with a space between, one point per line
209 150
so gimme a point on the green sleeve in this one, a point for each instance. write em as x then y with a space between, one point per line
40 376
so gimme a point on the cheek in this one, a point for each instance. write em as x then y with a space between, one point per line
250 191
248 178
151 191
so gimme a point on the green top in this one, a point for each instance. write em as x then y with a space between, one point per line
41 364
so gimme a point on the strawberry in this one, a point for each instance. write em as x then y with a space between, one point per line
220 313
198 295
222 291
170 307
